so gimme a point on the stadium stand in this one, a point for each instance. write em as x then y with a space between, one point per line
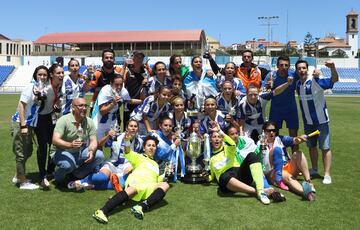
349 80
5 71
19 79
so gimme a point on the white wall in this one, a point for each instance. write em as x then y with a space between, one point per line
14 60
340 62
37 60
353 42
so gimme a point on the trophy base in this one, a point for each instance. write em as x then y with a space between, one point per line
192 113
193 178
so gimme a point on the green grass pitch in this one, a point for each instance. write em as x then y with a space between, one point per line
194 206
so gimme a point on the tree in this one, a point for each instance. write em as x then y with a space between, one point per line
309 44
331 35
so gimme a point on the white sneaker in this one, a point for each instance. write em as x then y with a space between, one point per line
29 186
327 180
264 198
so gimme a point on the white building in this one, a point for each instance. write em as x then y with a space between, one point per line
11 51
335 46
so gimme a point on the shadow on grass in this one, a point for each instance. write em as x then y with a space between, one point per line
232 194
127 206
62 187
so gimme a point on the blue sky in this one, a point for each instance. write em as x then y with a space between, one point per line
228 20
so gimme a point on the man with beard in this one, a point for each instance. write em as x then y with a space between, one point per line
104 75
248 72
136 79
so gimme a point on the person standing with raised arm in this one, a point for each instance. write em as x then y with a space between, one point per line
315 114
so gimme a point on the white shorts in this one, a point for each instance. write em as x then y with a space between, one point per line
119 170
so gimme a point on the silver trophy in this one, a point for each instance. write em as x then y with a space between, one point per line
170 165
207 152
116 127
39 92
193 150
263 149
232 111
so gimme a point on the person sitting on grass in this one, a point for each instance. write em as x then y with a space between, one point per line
226 169
246 146
113 173
76 144
144 183
282 170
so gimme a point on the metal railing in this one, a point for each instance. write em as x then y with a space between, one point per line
11 89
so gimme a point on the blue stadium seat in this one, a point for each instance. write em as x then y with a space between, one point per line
349 82
5 71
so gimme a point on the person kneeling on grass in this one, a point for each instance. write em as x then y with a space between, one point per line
144 183
225 168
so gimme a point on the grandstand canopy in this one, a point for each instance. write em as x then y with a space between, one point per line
122 36
152 42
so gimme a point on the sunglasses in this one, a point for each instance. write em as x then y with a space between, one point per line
270 130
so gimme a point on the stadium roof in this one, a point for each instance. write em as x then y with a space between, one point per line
121 36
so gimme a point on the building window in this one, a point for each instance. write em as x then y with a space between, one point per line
8 58
352 36
7 48
0 48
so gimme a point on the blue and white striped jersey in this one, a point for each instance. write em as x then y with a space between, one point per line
237 84
151 109
69 91
226 106
154 84
205 122
312 100
117 156
254 114
31 108
105 97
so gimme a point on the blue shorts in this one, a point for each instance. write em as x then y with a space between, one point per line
290 116
323 137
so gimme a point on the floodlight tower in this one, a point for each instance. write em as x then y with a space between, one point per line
268 22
